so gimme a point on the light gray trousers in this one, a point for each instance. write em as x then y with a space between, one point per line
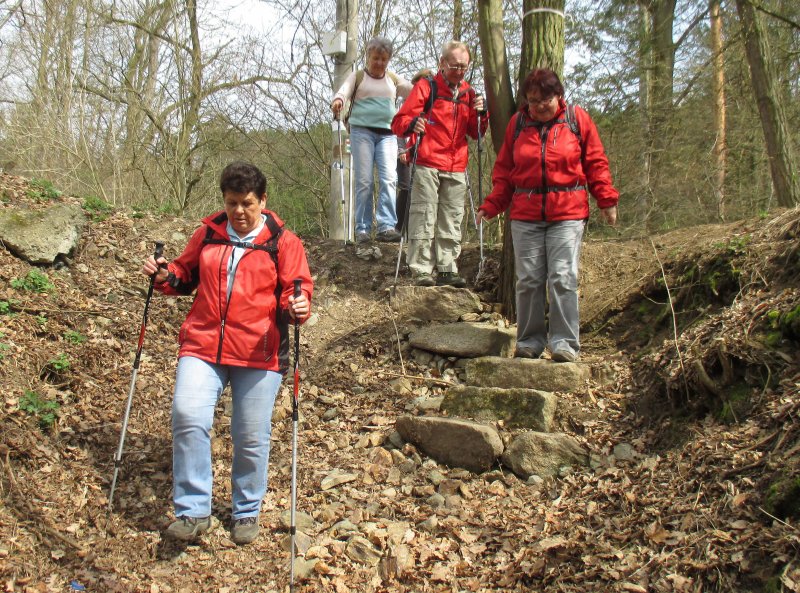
546 255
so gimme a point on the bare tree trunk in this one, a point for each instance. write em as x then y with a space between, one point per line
542 46
718 83
770 107
458 19
661 69
644 199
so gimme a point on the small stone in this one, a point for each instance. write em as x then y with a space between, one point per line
624 452
430 524
337 478
436 500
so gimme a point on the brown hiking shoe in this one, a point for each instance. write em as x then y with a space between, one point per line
244 530
450 279
188 528
563 356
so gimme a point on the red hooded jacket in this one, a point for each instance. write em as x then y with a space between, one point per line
251 328
543 175
450 120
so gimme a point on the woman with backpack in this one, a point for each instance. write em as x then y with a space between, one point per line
241 265
551 160
372 93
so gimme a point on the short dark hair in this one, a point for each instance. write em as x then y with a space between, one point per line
545 81
242 177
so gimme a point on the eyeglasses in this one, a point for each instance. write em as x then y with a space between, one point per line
539 101
457 67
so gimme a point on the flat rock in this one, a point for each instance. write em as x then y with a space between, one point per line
438 303
543 375
456 443
40 236
543 454
465 340
516 407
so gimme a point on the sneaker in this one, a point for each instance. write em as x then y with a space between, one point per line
450 279
362 237
424 280
388 236
245 530
563 356
524 352
188 528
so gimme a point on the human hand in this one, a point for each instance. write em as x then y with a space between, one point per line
419 125
479 104
299 307
609 215
403 156
336 107
158 267
480 216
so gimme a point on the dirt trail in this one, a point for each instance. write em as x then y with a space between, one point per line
683 517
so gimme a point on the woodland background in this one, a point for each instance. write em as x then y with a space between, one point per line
140 103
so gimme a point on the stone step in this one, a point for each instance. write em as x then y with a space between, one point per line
516 407
540 374
465 339
455 443
437 303
543 454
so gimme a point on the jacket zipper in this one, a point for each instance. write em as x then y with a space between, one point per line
227 306
543 140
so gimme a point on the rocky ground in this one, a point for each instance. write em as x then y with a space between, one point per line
692 416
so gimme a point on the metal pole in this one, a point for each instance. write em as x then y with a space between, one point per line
295 419
118 457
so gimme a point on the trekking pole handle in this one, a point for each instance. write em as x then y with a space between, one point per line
298 283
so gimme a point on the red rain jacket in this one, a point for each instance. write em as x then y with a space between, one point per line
542 175
251 328
450 121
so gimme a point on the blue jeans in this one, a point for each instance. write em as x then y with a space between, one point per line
546 256
198 385
369 150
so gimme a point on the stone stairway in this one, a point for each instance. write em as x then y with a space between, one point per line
496 393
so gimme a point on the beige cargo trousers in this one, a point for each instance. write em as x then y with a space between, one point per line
434 220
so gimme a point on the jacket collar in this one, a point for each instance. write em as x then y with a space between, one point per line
219 222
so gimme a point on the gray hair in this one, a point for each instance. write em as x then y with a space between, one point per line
448 48
380 44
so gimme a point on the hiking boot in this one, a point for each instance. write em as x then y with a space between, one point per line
524 352
188 528
245 530
563 356
362 237
388 236
450 279
424 280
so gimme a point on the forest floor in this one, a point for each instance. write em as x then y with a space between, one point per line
691 417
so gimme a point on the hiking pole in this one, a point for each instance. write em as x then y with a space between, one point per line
118 457
340 166
481 113
471 199
404 232
295 417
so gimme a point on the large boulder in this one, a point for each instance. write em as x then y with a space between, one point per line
438 303
465 340
455 443
517 407
40 236
541 374
543 454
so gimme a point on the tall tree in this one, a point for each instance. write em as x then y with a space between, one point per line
718 88
542 47
770 107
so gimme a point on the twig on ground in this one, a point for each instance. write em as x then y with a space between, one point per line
674 320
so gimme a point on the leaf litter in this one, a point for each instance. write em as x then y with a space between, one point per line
686 511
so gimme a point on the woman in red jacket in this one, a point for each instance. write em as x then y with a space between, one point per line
551 159
241 264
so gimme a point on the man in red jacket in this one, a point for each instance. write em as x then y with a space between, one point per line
439 184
